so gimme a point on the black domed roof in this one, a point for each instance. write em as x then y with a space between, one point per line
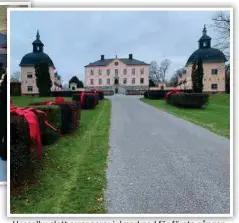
207 55
37 55
31 59
206 52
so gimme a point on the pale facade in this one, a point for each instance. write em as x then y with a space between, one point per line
28 80
125 73
213 67
213 79
28 77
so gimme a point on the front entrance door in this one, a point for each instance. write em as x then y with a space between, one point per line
116 81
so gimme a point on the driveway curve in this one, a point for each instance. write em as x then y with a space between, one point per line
161 164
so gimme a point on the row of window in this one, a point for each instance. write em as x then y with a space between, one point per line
116 71
213 72
30 75
206 79
30 88
124 81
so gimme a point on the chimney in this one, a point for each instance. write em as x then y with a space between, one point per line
131 56
102 57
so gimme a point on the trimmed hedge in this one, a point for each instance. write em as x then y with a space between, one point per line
160 94
63 93
70 115
64 116
22 162
49 136
134 92
89 100
152 94
188 100
15 89
101 95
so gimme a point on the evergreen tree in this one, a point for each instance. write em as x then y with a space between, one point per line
199 76
43 79
193 77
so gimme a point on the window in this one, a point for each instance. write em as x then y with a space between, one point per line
125 81
108 72
108 81
91 81
141 80
142 71
100 81
133 80
92 72
116 72
116 63
214 71
214 86
100 72
29 74
204 44
38 48
125 71
73 88
29 88
133 70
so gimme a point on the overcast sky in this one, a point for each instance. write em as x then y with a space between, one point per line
76 38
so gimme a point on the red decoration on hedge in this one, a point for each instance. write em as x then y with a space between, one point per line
33 123
174 91
59 100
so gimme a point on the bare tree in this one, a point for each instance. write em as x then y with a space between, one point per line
154 72
16 76
221 24
65 87
164 66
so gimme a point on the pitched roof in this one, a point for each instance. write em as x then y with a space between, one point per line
126 61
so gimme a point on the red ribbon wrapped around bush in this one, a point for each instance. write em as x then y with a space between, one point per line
82 99
174 91
33 122
34 127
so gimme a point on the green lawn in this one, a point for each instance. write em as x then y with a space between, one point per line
74 175
215 117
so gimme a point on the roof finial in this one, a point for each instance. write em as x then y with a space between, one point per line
38 36
116 56
204 30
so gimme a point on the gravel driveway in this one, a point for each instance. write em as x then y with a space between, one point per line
161 164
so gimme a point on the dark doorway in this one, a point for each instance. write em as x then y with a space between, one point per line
116 90
116 81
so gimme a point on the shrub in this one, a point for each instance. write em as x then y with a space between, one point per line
146 94
89 100
64 93
152 94
101 95
189 100
49 136
15 88
22 163
70 115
